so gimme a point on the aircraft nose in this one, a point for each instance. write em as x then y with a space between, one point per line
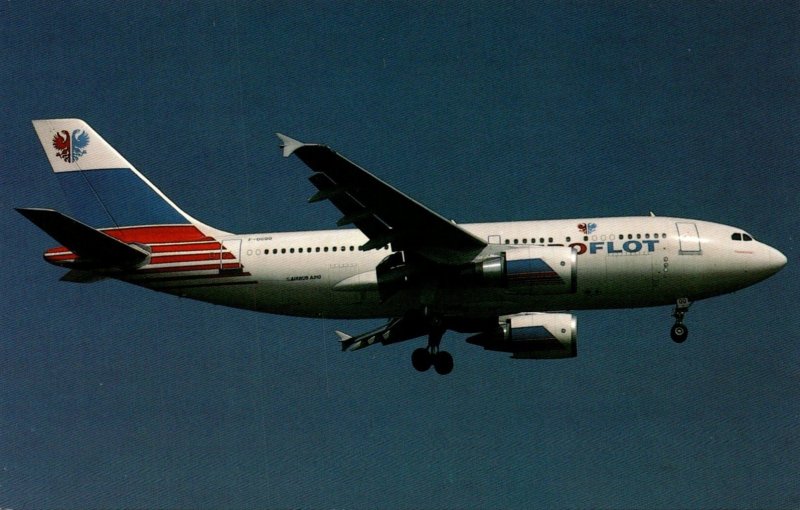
777 259
774 261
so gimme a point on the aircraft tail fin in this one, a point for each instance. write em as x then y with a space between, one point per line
121 225
103 189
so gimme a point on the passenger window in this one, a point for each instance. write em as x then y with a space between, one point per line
334 248
325 249
656 236
283 250
549 239
647 236
291 250
525 240
737 236
516 241
352 248
569 239
507 241
299 250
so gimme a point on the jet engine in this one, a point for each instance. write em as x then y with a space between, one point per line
529 270
532 336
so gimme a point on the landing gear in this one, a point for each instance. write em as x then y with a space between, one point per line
421 359
679 331
443 363
425 357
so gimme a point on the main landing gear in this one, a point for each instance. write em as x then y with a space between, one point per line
679 331
424 357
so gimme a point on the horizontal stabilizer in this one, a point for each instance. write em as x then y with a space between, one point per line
92 246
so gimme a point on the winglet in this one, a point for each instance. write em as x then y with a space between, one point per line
346 341
289 144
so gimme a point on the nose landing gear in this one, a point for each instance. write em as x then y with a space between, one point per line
679 331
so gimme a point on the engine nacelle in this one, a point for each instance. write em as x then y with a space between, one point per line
532 336
530 270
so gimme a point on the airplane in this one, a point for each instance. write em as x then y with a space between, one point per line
510 285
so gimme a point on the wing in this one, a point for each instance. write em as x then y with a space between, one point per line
382 213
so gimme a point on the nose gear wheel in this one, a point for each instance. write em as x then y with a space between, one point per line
679 331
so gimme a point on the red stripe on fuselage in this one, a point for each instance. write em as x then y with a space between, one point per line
60 258
190 237
158 234
193 257
60 250
184 247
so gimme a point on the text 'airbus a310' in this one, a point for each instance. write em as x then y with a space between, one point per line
508 284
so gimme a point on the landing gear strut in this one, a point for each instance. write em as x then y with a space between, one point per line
424 357
679 331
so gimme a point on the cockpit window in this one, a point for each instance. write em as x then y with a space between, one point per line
737 236
747 237
740 236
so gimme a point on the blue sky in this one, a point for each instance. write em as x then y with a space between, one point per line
113 396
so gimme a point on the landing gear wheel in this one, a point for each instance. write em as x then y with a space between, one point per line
421 359
679 332
443 363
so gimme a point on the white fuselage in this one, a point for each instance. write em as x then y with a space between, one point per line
621 263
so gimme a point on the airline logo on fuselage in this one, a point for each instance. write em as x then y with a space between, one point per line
587 228
616 247
71 146
612 247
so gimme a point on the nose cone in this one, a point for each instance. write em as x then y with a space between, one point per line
771 262
777 259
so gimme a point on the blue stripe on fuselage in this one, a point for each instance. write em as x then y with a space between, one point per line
115 198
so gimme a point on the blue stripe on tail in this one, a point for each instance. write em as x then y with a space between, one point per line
116 198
